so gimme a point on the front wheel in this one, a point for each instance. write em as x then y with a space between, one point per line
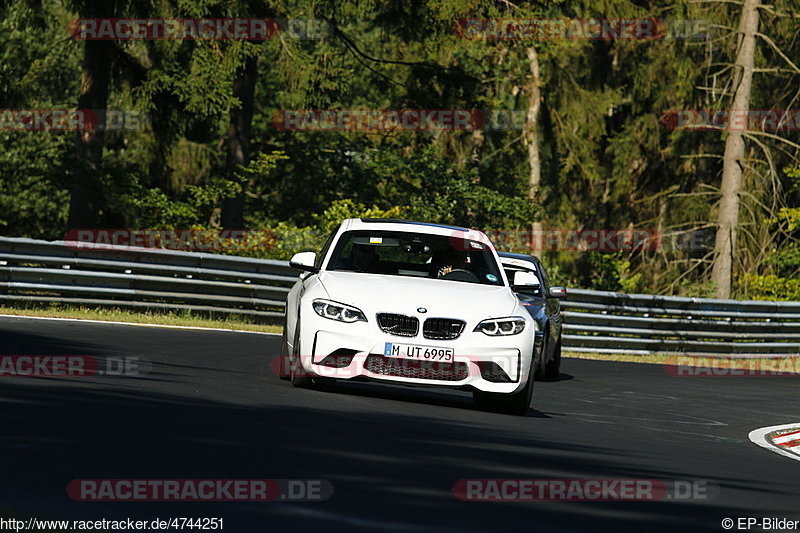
298 375
538 364
516 403
284 357
552 369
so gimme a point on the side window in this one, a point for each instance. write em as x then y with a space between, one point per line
322 253
545 279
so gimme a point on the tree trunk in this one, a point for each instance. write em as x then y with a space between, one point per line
239 139
732 166
532 141
84 189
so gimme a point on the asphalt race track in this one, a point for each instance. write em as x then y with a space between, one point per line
209 407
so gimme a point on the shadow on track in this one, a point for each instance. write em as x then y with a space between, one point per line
390 471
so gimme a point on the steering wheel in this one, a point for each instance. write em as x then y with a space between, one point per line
459 274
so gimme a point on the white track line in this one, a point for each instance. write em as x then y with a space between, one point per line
144 324
759 436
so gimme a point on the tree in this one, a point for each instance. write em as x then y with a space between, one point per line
532 139
84 194
238 139
591 151
733 159
241 117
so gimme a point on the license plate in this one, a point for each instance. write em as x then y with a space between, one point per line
424 353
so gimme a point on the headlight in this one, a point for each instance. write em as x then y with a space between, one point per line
501 326
337 311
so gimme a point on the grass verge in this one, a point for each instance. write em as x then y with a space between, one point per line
170 318
688 360
189 319
620 357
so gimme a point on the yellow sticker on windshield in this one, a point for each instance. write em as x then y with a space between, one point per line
375 240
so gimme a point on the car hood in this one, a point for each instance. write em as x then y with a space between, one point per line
375 293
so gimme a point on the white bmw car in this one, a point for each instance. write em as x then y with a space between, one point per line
414 304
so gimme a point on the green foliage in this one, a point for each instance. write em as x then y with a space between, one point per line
770 287
341 209
32 204
436 191
607 158
286 239
781 281
612 272
154 209
262 166
290 239
791 215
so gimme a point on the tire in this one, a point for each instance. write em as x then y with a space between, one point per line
298 380
552 368
516 403
538 363
285 359
324 384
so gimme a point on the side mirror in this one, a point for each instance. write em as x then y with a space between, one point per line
558 292
304 261
525 280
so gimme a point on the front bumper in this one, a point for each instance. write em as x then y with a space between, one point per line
350 351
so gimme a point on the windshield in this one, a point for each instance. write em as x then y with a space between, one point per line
416 255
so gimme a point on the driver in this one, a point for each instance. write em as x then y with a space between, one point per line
448 261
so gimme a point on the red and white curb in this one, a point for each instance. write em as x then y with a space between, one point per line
783 439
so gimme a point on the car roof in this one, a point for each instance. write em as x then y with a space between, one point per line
524 257
403 221
392 224
510 260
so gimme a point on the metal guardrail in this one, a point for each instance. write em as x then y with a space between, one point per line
141 278
595 321
610 322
